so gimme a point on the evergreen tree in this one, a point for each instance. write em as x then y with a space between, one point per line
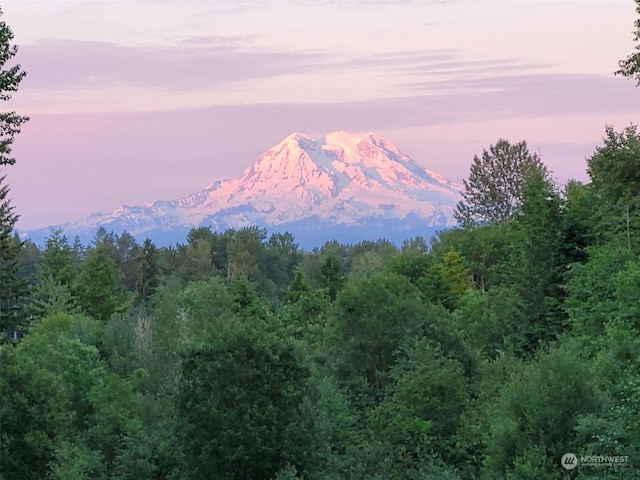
12 287
148 272
298 287
332 277
127 253
100 288
57 259
54 290
28 261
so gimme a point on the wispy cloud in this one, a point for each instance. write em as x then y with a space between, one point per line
208 62
195 63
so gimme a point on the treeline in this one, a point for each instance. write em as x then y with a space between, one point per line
487 353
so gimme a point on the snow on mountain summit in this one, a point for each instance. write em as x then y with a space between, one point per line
342 179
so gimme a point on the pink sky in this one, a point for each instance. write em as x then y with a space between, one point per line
139 100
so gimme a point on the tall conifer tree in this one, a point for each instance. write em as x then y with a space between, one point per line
11 287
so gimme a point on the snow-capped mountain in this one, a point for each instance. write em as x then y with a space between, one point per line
344 185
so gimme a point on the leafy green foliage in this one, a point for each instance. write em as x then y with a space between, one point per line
10 79
494 190
630 66
34 411
533 413
538 265
371 318
240 405
615 167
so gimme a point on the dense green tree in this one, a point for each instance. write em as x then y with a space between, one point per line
13 289
101 292
77 252
32 413
415 244
28 261
106 240
423 413
614 169
208 306
45 380
367 257
197 263
537 267
371 318
245 252
66 346
248 304
491 320
493 192
332 278
486 252
200 233
446 280
412 261
240 407
282 258
616 427
121 346
50 296
412 264
579 229
297 287
532 417
127 254
366 264
161 340
148 272
55 290
306 319
601 290
456 277
115 431
57 259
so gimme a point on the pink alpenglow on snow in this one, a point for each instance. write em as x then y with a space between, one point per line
342 180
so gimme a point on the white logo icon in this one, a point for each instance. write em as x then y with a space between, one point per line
569 461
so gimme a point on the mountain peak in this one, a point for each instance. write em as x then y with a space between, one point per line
343 180
294 138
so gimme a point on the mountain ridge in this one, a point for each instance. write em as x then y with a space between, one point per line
343 180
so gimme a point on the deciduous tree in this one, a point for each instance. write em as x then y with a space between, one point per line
240 407
493 192
630 66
